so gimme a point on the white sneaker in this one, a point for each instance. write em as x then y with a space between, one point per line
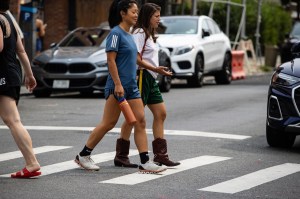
86 162
151 167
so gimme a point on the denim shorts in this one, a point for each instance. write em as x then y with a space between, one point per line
129 93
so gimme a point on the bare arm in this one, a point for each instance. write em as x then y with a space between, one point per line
41 26
113 70
30 82
1 40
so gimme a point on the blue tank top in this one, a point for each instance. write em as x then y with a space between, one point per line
122 42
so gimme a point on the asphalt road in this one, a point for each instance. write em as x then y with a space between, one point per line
217 132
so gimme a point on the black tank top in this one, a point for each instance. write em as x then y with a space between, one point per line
9 67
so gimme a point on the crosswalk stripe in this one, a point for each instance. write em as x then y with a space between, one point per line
136 178
206 134
43 149
254 179
68 165
149 131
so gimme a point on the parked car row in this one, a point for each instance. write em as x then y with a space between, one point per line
78 63
191 46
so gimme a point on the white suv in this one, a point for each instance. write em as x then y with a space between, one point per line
198 47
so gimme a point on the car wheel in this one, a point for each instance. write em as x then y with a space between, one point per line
165 82
224 76
41 93
278 139
197 79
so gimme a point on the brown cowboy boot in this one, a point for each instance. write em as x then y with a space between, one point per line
122 151
160 151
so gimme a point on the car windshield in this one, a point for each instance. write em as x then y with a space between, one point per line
85 38
296 30
178 26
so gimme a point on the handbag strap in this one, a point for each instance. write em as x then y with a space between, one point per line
141 70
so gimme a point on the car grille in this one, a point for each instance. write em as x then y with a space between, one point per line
71 68
56 68
297 99
74 83
184 64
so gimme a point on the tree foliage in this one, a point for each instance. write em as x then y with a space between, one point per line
275 21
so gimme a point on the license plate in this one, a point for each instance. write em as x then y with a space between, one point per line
61 84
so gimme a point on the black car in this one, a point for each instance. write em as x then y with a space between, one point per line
283 110
291 39
78 63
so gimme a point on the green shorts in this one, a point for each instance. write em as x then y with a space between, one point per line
149 88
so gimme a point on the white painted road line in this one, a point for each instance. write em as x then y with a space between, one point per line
254 179
187 164
68 165
206 134
149 131
43 149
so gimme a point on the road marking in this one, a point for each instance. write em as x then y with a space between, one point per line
43 149
68 165
206 134
254 179
136 178
149 131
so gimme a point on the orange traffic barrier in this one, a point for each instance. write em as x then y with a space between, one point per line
237 65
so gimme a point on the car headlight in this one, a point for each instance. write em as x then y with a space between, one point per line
101 64
184 49
284 79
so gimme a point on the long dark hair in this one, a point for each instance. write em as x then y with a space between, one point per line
114 17
146 12
4 5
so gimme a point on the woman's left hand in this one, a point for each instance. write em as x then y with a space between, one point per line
163 71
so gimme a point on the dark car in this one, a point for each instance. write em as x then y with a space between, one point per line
283 110
78 63
292 38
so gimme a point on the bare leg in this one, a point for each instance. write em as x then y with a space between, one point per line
159 144
110 118
159 116
126 131
140 136
11 117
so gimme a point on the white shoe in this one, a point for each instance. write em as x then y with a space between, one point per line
151 167
86 162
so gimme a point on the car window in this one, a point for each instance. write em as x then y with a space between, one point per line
85 38
178 26
211 26
205 26
296 30
216 27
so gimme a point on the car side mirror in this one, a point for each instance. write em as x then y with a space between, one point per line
53 45
205 33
